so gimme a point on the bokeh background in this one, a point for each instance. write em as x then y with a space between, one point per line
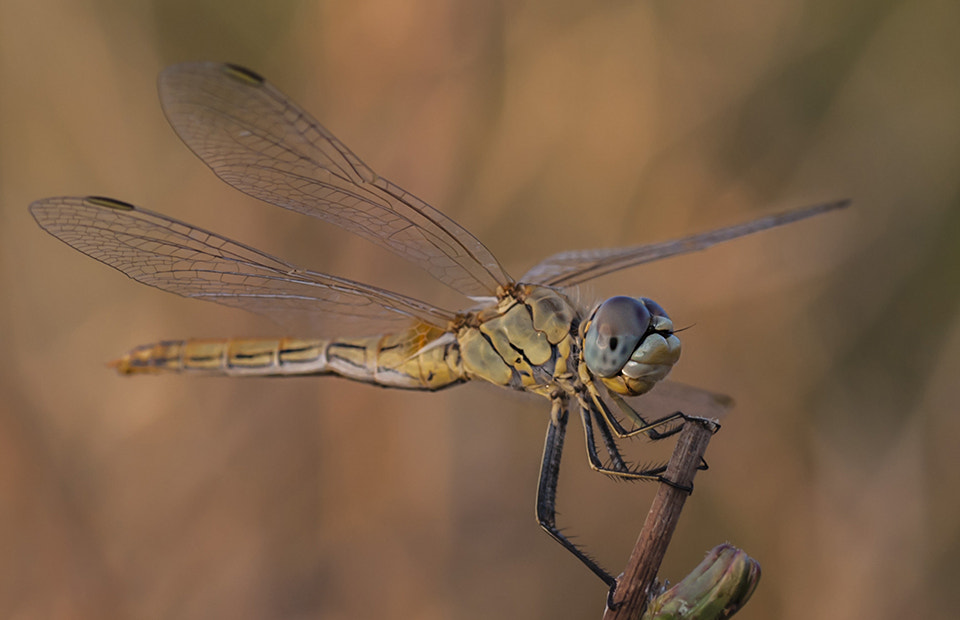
540 126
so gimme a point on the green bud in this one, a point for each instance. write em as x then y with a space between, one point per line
716 589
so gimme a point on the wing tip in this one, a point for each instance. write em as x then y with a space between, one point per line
44 210
242 74
831 205
109 203
191 69
802 213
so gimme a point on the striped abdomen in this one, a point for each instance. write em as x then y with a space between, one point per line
414 359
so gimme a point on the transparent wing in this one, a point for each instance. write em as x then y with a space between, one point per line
260 142
192 262
670 396
571 268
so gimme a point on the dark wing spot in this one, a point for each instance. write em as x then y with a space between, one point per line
243 74
109 203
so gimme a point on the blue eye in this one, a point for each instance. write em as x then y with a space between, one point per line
615 331
654 308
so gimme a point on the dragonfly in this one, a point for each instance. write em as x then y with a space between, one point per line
529 334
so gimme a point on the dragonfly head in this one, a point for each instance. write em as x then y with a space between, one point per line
629 344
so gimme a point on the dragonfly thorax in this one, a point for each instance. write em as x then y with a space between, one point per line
526 340
629 344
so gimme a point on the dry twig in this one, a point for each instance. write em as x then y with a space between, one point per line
633 587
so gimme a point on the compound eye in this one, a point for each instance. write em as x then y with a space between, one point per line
654 308
616 329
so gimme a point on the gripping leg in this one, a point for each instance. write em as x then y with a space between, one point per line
547 489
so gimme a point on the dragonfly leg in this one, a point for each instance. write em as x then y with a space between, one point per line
641 421
616 459
673 422
652 433
702 466
618 470
619 465
547 489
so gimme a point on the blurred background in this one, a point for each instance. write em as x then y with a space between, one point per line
541 127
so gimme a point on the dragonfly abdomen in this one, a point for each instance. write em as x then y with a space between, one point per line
393 360
226 357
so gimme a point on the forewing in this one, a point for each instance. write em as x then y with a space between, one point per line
260 142
177 257
571 268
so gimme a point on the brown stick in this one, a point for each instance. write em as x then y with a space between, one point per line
633 587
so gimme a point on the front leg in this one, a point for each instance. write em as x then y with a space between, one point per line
673 422
593 410
619 470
